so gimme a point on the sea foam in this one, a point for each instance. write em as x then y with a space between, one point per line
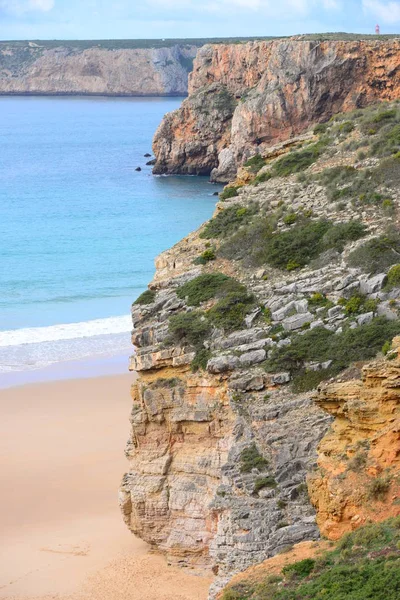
70 331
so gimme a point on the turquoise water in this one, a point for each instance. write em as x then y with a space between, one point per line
79 227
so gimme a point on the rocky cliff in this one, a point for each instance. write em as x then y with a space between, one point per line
294 281
245 98
44 68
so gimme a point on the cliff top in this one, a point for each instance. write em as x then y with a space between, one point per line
169 42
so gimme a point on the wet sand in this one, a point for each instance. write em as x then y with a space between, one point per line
62 536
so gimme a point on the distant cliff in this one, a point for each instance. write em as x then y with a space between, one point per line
243 98
70 68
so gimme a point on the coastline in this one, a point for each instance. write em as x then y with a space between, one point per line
63 536
80 369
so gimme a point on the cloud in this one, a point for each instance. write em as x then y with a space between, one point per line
20 7
387 12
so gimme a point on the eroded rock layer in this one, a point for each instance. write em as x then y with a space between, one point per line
359 460
244 98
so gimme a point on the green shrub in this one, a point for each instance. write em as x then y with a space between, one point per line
305 381
250 459
207 256
393 277
290 219
318 300
378 488
354 305
199 363
320 128
304 242
264 482
146 298
255 163
191 327
378 254
262 178
228 221
207 286
346 127
320 345
387 346
229 312
342 233
294 162
302 568
388 142
228 192
358 462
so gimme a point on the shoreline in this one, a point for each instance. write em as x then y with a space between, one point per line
63 535
79 369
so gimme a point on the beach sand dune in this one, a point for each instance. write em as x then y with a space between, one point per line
62 536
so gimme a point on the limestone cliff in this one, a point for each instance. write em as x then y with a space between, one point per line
68 68
245 98
290 283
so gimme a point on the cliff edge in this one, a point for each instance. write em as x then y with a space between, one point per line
245 98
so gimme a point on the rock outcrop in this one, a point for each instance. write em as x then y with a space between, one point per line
359 460
68 69
245 98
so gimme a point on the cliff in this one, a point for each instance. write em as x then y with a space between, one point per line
245 98
76 68
359 461
294 281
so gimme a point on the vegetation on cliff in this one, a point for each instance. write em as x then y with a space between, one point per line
365 565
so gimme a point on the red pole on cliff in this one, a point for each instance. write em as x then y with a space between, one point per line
377 30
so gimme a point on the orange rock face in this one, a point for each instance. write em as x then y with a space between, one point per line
359 459
244 98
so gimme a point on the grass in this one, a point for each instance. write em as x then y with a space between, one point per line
146 298
320 345
365 565
207 286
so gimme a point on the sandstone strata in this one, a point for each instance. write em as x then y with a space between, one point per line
69 70
359 460
245 98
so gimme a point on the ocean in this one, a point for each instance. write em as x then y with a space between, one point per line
80 227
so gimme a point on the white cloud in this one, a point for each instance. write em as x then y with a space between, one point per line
387 12
19 7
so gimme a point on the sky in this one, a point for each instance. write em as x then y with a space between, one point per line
129 19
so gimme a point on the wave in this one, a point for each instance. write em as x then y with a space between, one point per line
69 331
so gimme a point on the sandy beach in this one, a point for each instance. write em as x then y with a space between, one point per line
61 458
